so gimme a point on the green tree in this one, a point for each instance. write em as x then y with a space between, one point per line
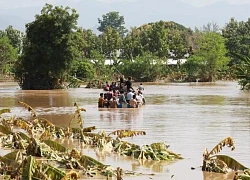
83 69
145 68
49 48
237 36
8 54
110 43
113 20
132 47
15 36
243 71
91 43
209 56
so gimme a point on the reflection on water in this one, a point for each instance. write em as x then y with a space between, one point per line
189 117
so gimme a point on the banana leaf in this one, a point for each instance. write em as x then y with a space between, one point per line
55 146
29 108
4 111
86 161
12 155
24 136
231 163
127 133
244 177
29 168
52 172
5 130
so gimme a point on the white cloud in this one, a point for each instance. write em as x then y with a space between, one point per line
200 3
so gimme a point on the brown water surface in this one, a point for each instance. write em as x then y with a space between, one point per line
189 117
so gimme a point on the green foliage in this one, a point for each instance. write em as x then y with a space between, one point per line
29 168
145 68
237 36
162 39
82 69
209 56
91 43
243 70
114 21
110 43
8 54
15 36
131 44
49 48
55 146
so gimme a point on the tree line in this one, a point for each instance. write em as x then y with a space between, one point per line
53 49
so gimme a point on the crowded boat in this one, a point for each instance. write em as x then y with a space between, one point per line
121 95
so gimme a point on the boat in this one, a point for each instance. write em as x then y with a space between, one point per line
119 101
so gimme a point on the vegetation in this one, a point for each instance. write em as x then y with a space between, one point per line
36 153
214 162
54 50
49 49
112 20
8 55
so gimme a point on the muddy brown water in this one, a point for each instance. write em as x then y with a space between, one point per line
189 117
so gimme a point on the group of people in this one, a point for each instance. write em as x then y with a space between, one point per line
122 95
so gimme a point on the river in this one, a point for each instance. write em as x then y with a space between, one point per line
188 116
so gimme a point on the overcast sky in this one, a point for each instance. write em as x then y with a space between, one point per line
190 13
9 4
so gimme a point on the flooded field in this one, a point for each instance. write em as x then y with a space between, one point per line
189 117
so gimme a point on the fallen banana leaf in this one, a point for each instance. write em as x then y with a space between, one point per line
52 172
230 162
29 168
5 130
225 142
127 133
29 108
4 111
55 146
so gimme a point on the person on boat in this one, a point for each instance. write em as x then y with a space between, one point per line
140 88
114 103
101 101
122 100
139 98
129 95
115 93
107 86
122 82
128 84
133 102
142 97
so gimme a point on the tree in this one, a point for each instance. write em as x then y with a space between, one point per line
110 43
113 20
243 71
49 48
131 44
91 43
15 36
8 54
237 36
209 56
145 68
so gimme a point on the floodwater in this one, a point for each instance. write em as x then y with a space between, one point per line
188 116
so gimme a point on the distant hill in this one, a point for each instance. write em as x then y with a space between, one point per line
136 13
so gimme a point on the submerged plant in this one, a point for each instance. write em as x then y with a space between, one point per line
214 162
37 155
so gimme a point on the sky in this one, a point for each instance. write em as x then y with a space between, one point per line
10 4
190 13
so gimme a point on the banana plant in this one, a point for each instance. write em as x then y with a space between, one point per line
243 71
214 162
